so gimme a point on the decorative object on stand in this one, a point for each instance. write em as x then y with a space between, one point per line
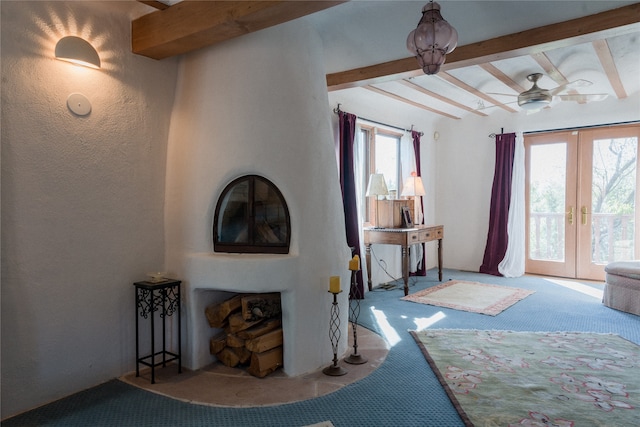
377 187
334 328
432 39
78 51
354 310
414 188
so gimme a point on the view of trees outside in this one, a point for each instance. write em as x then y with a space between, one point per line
613 199
547 201
612 211
386 160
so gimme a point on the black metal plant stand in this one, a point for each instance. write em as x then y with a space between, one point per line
354 312
334 335
162 297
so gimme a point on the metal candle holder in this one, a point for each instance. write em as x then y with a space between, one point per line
354 311
334 334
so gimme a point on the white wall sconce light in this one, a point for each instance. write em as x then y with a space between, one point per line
432 39
78 51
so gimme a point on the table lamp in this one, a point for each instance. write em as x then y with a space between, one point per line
377 187
413 187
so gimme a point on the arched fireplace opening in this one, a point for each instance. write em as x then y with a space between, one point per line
251 216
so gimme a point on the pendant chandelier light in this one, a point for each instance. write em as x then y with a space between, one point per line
432 39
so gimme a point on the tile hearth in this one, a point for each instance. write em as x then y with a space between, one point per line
219 385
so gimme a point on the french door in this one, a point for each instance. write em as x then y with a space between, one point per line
581 200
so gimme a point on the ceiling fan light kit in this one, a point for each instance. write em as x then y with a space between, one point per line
534 98
432 40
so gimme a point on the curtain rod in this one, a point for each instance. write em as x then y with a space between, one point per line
493 135
337 110
582 127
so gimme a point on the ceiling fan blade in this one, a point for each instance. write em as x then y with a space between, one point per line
483 107
502 94
590 97
571 85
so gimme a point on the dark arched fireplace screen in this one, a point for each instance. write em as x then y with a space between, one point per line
251 217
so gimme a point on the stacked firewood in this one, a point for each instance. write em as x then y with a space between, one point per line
252 332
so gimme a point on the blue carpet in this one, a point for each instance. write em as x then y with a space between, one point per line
402 392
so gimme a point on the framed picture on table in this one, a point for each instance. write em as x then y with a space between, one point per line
407 222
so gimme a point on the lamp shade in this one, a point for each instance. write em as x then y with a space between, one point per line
78 51
377 185
413 187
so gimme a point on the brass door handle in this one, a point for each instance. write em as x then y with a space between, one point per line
584 215
570 215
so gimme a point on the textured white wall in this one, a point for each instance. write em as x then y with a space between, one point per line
258 105
82 198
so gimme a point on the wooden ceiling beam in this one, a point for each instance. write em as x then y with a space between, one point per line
408 101
191 25
610 23
606 59
439 97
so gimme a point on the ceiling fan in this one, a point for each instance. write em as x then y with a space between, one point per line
537 98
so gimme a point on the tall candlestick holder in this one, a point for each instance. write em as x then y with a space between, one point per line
354 312
334 335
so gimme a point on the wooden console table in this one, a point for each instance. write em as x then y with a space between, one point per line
405 237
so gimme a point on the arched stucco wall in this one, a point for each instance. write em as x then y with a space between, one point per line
257 105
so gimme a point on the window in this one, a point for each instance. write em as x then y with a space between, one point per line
381 154
251 217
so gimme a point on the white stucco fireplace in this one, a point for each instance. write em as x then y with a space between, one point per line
257 105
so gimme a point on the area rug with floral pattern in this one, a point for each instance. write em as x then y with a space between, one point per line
475 297
503 378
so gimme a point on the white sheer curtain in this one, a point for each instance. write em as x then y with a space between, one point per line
407 165
361 182
513 263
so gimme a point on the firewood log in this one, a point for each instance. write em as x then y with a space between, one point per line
235 341
262 364
265 342
237 323
244 355
217 343
217 313
260 329
228 357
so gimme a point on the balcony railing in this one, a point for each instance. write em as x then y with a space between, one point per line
612 237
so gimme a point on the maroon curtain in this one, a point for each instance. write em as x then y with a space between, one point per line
348 185
500 197
415 135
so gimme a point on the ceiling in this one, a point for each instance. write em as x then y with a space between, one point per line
500 43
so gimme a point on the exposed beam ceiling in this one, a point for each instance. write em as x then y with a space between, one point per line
590 28
191 25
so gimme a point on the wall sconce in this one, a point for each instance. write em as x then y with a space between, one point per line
78 51
377 187
432 39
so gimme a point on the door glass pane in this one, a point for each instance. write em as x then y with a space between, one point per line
613 199
547 201
386 160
